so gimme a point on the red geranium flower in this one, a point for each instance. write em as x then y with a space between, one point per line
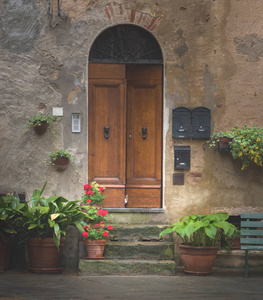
105 233
110 227
89 192
85 234
101 189
88 200
87 186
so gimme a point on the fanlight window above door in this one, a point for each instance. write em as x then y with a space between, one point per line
126 44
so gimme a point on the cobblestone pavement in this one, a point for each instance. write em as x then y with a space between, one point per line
221 284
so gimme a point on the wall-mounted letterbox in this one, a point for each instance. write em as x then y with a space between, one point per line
181 122
201 119
181 157
194 123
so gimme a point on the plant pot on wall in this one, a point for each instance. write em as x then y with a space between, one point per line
41 128
223 144
44 255
61 163
95 249
198 260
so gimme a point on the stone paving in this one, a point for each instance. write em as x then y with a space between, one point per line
221 284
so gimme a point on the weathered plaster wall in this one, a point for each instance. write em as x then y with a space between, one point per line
213 57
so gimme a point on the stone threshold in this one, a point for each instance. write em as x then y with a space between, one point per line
135 210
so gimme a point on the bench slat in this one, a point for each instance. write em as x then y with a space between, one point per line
251 232
251 224
251 247
251 216
253 241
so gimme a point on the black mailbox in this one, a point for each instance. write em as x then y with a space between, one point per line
181 122
201 119
181 157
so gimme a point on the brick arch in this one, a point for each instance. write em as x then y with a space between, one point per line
118 12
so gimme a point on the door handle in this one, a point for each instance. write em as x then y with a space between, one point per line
106 132
144 133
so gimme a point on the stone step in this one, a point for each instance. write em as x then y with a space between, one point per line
139 250
126 267
135 233
135 250
137 216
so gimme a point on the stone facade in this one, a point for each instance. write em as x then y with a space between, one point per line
212 53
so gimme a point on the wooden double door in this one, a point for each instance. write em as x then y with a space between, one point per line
125 133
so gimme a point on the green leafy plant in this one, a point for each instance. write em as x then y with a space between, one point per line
202 230
95 215
50 217
96 234
216 136
37 119
93 194
52 156
10 215
246 144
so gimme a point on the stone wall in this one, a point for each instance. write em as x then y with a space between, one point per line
212 57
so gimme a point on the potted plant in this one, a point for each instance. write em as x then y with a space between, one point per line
41 122
245 144
200 236
45 223
221 140
60 159
10 223
95 240
93 194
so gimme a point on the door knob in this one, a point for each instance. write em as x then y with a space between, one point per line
129 136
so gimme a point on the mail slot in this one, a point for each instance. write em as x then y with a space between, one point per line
201 119
181 122
181 157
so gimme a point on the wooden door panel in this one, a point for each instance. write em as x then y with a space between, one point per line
107 155
144 155
144 152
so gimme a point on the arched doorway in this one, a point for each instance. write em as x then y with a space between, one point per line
125 117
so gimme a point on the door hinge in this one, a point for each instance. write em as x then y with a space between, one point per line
126 200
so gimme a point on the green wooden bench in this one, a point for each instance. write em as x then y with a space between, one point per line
251 234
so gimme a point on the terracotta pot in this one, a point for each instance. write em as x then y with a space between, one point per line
95 249
42 128
5 253
198 260
223 144
44 255
61 163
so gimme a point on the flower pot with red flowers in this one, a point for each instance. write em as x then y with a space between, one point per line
93 194
95 240
201 235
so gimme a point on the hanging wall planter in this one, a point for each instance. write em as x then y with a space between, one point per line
41 122
223 144
41 127
61 163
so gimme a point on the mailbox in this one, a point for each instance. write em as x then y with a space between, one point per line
201 119
181 157
181 122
